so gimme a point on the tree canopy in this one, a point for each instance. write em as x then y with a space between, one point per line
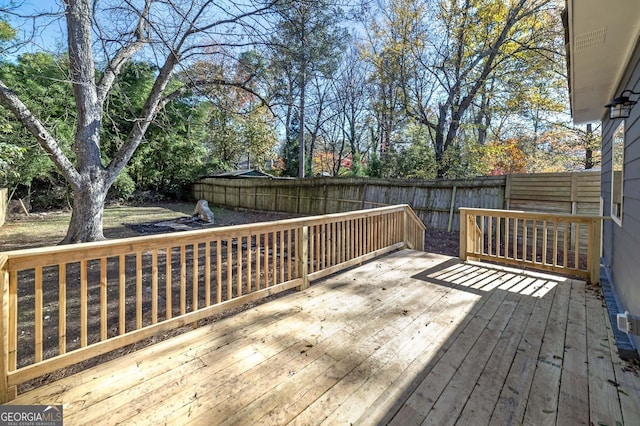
174 34
148 95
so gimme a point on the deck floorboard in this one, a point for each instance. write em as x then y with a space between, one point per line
408 338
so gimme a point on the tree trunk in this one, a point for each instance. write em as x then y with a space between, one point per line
588 157
87 214
88 177
439 145
303 85
483 119
441 168
301 164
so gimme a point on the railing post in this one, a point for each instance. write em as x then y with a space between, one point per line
421 236
405 237
463 234
594 250
303 257
413 229
6 393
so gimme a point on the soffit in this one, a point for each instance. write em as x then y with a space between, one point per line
602 37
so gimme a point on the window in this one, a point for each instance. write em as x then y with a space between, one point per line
617 173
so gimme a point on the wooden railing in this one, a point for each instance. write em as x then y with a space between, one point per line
567 244
65 304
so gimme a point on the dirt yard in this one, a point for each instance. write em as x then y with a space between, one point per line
44 229
48 228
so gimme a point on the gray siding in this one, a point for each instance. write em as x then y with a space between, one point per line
621 245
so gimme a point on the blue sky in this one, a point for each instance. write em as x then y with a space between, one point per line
49 32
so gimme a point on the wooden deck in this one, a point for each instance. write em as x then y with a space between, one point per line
406 339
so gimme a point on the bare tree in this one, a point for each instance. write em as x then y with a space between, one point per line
352 103
441 59
173 34
307 43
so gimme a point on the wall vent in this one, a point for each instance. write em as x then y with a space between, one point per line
591 39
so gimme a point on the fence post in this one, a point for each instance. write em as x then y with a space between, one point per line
463 234
451 209
303 257
7 393
594 250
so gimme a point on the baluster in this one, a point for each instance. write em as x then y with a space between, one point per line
229 269
207 273
239 267
218 271
62 308
154 287
122 294
103 299
38 315
249 262
83 303
168 284
183 280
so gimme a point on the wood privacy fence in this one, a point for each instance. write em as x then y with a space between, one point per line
564 193
62 305
436 202
533 240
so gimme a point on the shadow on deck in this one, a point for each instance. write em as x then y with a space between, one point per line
408 338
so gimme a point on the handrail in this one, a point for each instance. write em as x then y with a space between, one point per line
415 229
78 301
21 258
566 244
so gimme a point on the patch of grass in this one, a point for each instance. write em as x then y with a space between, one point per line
46 229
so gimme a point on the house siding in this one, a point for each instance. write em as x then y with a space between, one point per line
621 244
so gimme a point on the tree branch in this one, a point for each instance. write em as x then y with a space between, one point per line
149 111
10 100
124 54
233 20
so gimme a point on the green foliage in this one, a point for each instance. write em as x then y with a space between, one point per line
173 154
39 79
188 138
9 155
291 149
357 168
479 67
423 102
259 137
236 126
410 156
123 187
124 105
6 31
47 192
375 169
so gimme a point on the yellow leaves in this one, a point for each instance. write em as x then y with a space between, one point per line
400 28
505 158
6 31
